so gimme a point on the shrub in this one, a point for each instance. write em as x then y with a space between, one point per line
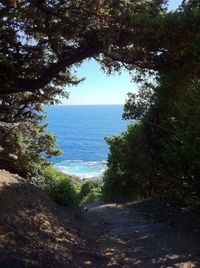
90 191
122 179
62 188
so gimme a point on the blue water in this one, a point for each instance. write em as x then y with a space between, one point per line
80 132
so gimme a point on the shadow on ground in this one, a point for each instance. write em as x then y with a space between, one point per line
35 232
134 236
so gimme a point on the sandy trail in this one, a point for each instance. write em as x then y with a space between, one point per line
124 236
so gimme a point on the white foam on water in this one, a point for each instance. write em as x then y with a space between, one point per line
82 169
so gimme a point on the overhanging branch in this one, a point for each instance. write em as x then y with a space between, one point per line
79 54
4 155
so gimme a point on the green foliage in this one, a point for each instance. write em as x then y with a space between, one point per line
181 149
137 105
121 179
32 145
90 191
159 157
61 188
69 191
40 43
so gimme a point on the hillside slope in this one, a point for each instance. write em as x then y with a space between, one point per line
34 231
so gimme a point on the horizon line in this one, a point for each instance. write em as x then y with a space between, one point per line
89 104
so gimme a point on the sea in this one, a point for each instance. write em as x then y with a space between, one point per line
81 132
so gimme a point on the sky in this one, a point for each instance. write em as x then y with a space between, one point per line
99 88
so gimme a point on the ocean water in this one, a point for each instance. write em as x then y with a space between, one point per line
80 132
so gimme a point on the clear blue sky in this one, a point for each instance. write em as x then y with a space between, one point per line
98 88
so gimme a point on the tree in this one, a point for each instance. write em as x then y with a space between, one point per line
164 155
41 40
39 43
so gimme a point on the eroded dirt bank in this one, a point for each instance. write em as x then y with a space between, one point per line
35 232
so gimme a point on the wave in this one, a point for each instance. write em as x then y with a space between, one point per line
82 169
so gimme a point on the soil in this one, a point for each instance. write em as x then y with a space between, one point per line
133 235
35 232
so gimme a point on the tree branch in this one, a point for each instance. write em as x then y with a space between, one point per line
7 156
79 54
9 126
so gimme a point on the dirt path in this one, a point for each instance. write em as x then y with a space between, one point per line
35 232
124 236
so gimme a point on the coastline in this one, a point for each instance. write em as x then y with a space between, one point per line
81 169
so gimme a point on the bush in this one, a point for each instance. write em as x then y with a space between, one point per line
62 188
159 157
127 157
68 190
90 191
